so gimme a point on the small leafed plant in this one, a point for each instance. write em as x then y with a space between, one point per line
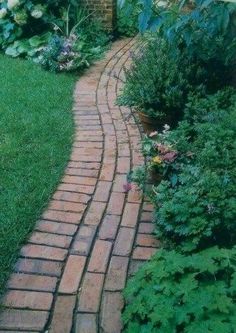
175 293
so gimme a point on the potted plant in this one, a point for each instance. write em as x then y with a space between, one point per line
155 87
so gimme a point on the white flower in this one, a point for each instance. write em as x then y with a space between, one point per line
12 3
36 13
3 13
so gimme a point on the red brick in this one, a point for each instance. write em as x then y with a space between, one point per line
112 305
28 300
50 239
120 181
123 150
83 240
124 242
130 215
95 213
146 228
147 240
72 274
143 253
32 282
41 267
116 203
85 165
107 172
87 151
147 207
88 138
85 189
66 217
66 206
57 228
147 216
62 318
134 266
116 276
109 227
123 165
86 323
82 172
100 256
79 180
103 191
43 252
72 197
135 195
89 298
23 320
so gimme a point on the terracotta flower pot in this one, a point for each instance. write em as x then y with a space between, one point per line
151 124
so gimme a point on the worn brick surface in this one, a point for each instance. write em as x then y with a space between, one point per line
143 253
86 323
62 319
23 320
43 252
112 305
38 266
32 282
95 213
109 227
72 274
28 300
130 215
55 227
116 203
89 298
100 255
50 239
116 276
124 242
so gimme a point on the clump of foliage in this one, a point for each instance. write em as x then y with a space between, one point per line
195 204
127 18
155 84
183 294
60 35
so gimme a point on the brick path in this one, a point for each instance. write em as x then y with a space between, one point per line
93 235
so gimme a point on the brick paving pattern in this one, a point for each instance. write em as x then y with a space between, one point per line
94 235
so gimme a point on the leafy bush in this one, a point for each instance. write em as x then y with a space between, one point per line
21 19
198 210
205 32
60 34
155 84
183 294
127 18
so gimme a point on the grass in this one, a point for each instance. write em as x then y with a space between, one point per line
36 132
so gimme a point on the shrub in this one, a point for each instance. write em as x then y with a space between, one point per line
183 294
198 209
155 84
21 19
127 18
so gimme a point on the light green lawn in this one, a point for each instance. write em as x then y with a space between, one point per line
36 131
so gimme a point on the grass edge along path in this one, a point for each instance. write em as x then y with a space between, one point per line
36 135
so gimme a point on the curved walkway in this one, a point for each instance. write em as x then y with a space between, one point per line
94 234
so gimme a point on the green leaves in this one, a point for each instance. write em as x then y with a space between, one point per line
188 298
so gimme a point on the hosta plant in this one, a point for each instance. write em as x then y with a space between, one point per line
175 293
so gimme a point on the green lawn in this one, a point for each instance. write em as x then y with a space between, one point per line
36 132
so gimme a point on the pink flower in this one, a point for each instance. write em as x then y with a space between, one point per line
127 187
169 157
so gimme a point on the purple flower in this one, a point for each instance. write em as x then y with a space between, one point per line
127 187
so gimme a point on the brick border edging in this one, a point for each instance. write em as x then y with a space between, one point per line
78 257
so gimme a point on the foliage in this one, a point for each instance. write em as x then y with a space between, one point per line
198 209
22 19
160 92
205 32
36 131
127 18
64 37
74 50
175 293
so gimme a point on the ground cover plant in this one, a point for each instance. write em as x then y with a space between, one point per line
175 293
35 141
